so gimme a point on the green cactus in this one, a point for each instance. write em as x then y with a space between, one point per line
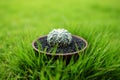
60 37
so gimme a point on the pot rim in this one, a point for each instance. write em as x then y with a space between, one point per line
60 54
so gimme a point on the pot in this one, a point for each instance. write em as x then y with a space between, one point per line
64 55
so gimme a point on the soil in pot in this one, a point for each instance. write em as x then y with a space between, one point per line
76 45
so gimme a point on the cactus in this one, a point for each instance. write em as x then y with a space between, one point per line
60 37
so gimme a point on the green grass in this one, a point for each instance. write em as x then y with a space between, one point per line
98 21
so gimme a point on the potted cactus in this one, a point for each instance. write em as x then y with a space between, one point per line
60 42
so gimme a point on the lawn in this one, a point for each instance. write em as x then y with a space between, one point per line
22 21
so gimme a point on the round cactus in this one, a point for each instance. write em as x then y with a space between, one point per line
60 37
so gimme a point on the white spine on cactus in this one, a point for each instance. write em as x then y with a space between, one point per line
59 36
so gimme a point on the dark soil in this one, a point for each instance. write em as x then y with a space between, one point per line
76 44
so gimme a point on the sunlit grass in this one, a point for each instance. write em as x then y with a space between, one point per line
23 21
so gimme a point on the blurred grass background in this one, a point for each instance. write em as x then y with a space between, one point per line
28 14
